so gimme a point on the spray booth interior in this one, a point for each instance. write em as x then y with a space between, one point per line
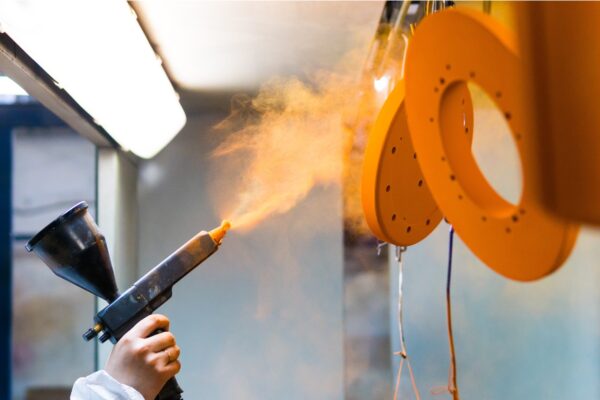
412 190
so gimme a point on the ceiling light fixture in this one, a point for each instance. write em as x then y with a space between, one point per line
97 52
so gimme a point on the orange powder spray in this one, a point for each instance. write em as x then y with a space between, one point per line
295 135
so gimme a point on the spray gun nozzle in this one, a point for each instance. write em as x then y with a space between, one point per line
218 234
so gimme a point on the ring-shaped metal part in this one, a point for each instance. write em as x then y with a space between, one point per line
449 49
397 203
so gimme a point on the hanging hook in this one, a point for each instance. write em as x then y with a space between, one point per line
380 245
399 251
487 6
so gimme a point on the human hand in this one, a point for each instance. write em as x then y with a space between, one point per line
142 362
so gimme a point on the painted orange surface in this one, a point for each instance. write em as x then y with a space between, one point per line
448 49
561 49
397 203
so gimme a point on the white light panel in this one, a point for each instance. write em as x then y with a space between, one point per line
97 52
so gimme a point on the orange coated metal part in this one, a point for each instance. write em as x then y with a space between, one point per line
561 49
448 49
397 203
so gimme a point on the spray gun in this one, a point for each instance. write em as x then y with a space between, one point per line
75 250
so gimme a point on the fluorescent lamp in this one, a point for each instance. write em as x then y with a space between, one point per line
382 84
8 87
96 51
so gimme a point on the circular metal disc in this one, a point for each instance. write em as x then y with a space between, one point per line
519 241
397 202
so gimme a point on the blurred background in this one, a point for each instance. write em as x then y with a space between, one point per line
300 305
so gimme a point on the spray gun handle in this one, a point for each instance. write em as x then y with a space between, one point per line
171 390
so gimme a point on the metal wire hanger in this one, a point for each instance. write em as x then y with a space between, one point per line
402 353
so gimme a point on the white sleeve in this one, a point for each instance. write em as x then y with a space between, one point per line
101 386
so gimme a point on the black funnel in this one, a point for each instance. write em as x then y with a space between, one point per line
74 249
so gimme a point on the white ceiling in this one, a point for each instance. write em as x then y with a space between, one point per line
229 46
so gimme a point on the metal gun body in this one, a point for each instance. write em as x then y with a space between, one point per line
154 288
74 249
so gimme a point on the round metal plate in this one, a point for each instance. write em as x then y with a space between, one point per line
448 49
397 202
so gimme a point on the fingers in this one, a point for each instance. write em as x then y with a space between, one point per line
170 355
146 362
168 360
173 353
160 341
148 325
171 369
